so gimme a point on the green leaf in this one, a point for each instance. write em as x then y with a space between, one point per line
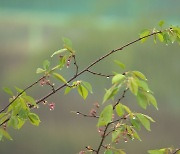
127 109
110 93
5 134
40 70
105 116
166 37
20 123
30 100
121 65
115 134
108 151
161 23
135 134
133 86
152 100
88 86
139 75
135 122
120 109
144 121
160 151
34 119
142 100
143 85
20 90
8 91
62 61
23 114
118 78
143 34
67 90
46 65
82 91
148 117
160 37
59 77
67 42
59 52
13 122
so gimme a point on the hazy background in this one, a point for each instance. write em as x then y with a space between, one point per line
30 31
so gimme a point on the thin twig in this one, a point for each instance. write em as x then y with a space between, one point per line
30 86
85 115
75 63
176 151
100 74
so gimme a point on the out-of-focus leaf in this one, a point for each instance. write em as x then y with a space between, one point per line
152 100
5 134
46 65
133 86
161 23
108 151
40 70
142 100
144 33
67 90
160 37
88 86
118 78
121 65
34 119
120 109
59 52
144 121
59 77
139 75
8 91
82 91
105 116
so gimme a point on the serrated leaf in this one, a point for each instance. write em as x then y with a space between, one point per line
5 134
34 119
133 86
120 109
142 100
143 34
59 77
161 23
144 121
40 70
82 91
121 65
8 91
118 78
105 116
46 64
88 86
59 52
139 75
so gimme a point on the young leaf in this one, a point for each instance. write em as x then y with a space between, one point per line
135 135
120 109
143 85
144 121
108 151
40 70
8 91
13 122
67 42
160 151
139 75
142 100
59 52
118 78
5 134
110 93
135 122
133 86
88 86
143 34
30 100
127 109
82 91
161 23
105 116
62 61
115 134
20 123
59 77
160 37
46 65
34 119
152 100
120 64
67 90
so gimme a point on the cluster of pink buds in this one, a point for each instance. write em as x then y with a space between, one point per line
68 62
51 106
82 152
96 104
44 81
101 131
92 112
4 126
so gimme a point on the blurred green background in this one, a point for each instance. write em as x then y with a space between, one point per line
30 31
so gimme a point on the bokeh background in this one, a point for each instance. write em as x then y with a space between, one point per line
30 31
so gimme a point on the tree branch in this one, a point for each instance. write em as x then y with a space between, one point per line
100 74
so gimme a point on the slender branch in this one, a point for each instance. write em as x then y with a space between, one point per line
75 63
100 74
123 95
85 115
78 74
30 86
